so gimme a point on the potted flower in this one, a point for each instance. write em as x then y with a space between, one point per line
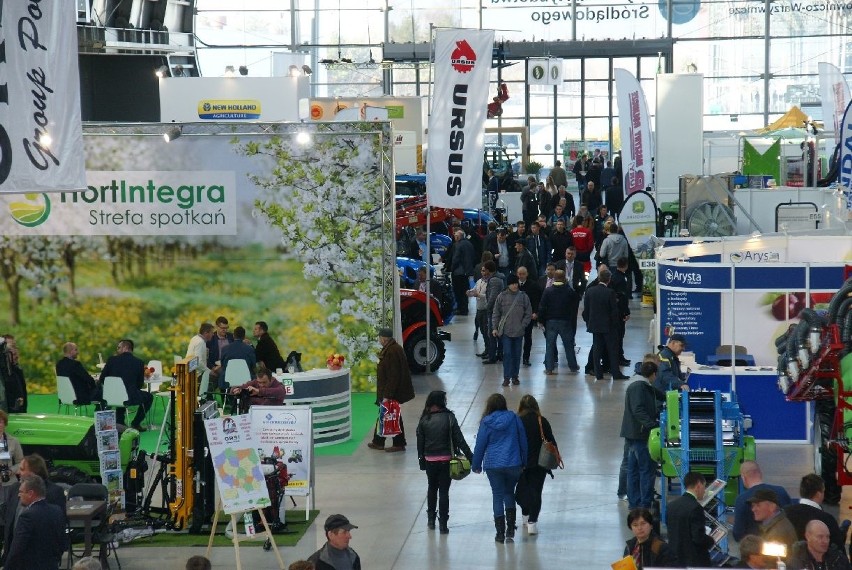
534 168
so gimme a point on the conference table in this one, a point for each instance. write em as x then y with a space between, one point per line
774 419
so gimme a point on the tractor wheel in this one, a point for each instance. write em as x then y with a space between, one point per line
419 351
825 456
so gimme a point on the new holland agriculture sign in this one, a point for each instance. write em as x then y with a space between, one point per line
129 203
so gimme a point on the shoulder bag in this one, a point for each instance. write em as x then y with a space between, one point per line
548 456
459 464
502 322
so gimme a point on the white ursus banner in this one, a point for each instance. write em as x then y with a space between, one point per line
41 141
457 124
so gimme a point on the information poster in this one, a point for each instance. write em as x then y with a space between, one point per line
285 434
696 316
236 464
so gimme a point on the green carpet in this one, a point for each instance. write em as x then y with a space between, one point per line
295 521
364 413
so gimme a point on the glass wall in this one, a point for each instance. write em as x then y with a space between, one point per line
758 57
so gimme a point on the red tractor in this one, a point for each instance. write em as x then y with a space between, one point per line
422 347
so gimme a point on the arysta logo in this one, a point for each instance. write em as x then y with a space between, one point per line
682 277
32 211
463 57
748 256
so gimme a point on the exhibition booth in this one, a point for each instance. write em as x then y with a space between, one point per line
747 292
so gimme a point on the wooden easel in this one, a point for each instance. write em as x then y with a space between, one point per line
237 538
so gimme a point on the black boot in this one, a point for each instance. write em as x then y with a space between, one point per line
510 525
430 520
442 525
500 525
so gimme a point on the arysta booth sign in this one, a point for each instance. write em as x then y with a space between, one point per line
129 203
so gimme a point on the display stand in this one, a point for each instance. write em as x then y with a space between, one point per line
237 538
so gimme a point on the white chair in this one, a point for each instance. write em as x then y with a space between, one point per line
237 372
115 393
204 387
67 395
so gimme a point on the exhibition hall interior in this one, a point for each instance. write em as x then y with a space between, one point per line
305 284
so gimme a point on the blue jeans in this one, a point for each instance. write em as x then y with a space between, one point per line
563 329
512 355
503 481
641 474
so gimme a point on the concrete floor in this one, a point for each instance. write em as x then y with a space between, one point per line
582 524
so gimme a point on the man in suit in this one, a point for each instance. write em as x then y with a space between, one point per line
86 390
685 523
809 507
533 291
236 350
539 247
131 370
39 537
620 285
547 279
9 512
523 258
461 269
600 311
575 275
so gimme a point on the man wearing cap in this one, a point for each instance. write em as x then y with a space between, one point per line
393 382
685 523
752 479
774 525
670 376
336 554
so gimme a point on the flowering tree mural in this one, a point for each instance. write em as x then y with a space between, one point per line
328 199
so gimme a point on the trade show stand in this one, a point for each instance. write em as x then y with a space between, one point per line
328 393
774 419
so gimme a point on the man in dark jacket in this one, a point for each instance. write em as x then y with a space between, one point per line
461 269
493 288
523 258
131 370
86 390
237 350
620 285
539 247
600 311
39 537
640 417
266 351
685 523
817 550
671 377
393 382
557 313
336 554
529 285
809 507
217 343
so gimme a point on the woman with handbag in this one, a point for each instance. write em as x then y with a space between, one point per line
501 448
540 460
439 440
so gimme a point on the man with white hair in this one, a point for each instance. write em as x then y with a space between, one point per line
816 551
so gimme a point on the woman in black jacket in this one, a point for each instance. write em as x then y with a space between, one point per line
647 549
437 428
532 479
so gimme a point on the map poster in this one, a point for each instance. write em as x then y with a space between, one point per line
285 435
237 464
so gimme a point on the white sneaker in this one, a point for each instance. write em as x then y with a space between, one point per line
531 529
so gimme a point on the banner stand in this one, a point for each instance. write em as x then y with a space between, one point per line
237 538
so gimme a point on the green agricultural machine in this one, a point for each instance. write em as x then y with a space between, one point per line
69 444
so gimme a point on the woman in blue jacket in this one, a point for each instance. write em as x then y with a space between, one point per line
501 448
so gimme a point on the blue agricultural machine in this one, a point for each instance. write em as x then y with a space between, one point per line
703 432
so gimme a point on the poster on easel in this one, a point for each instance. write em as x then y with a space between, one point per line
236 464
285 434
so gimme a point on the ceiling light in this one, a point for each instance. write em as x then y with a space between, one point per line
162 71
173 133
229 71
243 70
